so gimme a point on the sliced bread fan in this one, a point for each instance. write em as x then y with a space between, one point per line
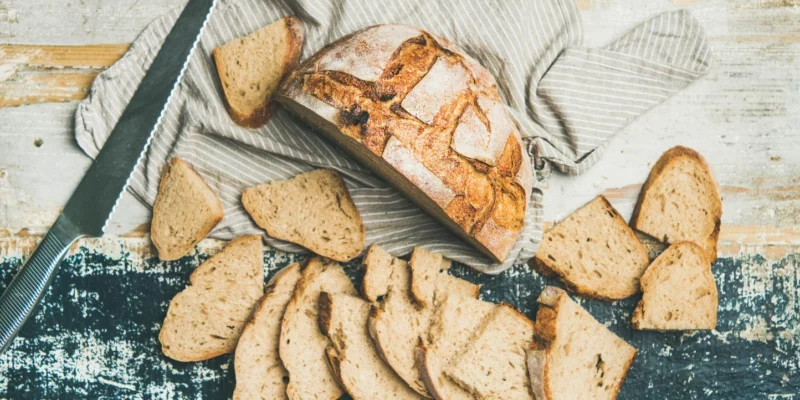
259 371
398 322
302 346
351 354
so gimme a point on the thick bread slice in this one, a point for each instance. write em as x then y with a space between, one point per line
259 370
492 365
206 319
313 209
381 272
302 346
351 354
452 325
251 67
575 357
679 291
186 209
426 267
397 324
680 201
429 278
594 252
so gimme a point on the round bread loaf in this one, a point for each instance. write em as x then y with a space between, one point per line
429 119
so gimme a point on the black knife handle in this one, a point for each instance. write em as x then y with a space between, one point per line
29 285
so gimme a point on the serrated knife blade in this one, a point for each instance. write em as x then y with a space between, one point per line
91 205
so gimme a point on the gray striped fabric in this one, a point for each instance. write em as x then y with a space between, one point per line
568 100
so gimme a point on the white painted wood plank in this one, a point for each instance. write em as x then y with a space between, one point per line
77 21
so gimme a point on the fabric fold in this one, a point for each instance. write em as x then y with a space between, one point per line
569 101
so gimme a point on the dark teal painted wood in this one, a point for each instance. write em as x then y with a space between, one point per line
96 335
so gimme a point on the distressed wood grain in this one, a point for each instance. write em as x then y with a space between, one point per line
71 22
31 74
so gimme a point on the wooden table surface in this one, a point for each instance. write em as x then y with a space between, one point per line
744 117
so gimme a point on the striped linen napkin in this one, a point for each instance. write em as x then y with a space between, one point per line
568 101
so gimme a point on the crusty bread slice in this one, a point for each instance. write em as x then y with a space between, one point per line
594 252
250 68
679 292
680 201
426 268
381 272
397 323
206 319
351 354
186 209
452 325
313 209
302 345
574 356
429 275
492 364
259 370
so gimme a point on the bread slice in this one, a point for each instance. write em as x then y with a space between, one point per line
206 319
679 292
594 252
397 323
251 67
259 370
575 357
492 365
381 273
351 354
680 201
312 209
429 276
452 325
303 346
186 209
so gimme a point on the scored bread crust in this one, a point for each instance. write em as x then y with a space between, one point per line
429 119
166 250
666 159
293 31
546 267
550 301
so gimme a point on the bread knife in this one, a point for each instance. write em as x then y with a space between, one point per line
88 210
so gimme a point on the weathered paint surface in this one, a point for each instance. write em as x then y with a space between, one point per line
96 334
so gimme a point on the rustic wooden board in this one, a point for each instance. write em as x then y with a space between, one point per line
96 334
